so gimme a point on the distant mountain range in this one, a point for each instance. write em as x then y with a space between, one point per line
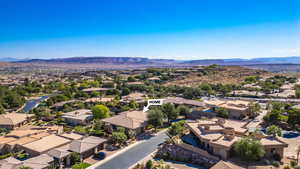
141 60
8 59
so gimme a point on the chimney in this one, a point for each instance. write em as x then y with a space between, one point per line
206 127
221 121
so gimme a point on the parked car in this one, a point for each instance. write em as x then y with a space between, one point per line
100 155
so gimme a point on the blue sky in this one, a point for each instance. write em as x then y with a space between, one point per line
176 29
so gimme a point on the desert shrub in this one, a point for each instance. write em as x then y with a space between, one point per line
149 164
81 166
293 163
275 163
74 157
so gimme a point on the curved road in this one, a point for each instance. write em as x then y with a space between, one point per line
133 155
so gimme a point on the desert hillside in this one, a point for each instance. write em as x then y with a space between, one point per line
223 74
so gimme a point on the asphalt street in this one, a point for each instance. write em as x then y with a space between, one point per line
133 155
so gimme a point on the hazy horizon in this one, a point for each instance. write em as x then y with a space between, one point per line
170 29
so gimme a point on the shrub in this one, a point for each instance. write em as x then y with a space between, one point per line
277 157
249 149
274 131
22 156
5 156
74 157
222 112
176 128
275 163
81 166
149 164
286 167
24 167
293 163
118 138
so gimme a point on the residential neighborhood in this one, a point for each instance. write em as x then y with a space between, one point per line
83 124
150 84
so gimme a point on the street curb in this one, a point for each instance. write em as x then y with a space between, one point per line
115 154
143 160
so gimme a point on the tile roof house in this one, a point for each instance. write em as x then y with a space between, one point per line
135 83
217 136
61 154
45 144
13 120
72 136
132 120
61 104
180 101
10 163
78 117
97 99
13 141
137 97
84 146
97 89
226 165
42 161
236 108
87 146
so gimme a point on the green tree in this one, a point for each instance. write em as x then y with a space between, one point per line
251 79
25 167
131 79
97 128
207 88
125 91
95 94
156 118
133 104
149 164
249 149
2 111
222 112
294 117
81 166
273 117
183 110
254 109
118 138
177 128
170 112
80 129
100 112
297 93
274 131
74 158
